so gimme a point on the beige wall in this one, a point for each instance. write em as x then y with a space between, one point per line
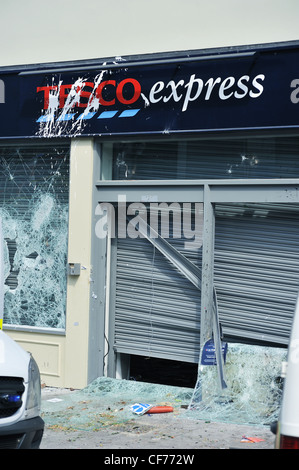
63 359
49 352
35 31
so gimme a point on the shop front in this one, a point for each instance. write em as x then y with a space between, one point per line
150 204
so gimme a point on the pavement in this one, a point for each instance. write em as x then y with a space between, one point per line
174 431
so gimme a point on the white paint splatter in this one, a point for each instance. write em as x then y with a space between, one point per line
56 122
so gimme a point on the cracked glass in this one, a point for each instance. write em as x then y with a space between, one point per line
34 211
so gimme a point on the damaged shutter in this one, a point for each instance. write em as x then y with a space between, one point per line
157 310
256 264
245 157
257 271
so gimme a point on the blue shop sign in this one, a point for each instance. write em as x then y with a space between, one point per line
208 357
254 89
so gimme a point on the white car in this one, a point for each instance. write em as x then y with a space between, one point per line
21 426
287 429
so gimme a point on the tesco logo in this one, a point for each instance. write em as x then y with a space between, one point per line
83 94
105 98
107 93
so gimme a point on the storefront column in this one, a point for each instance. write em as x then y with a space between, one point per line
79 254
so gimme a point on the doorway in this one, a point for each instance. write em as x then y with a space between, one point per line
156 309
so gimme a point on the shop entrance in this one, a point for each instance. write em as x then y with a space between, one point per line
169 292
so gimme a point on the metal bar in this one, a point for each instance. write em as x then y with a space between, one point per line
198 182
209 322
147 193
112 63
246 191
186 267
206 325
217 342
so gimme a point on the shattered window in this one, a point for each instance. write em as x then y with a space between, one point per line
34 211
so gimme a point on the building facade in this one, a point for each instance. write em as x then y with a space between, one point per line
147 200
149 181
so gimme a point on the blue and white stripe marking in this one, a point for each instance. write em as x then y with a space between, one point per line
86 116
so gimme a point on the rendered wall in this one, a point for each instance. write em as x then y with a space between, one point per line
34 31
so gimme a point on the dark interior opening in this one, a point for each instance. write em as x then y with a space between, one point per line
163 371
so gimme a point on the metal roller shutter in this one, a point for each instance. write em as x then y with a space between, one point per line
251 157
157 311
256 265
256 278
257 271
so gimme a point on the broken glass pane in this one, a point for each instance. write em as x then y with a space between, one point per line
254 389
34 212
252 397
107 402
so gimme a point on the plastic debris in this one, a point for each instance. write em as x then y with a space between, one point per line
160 409
141 408
251 439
